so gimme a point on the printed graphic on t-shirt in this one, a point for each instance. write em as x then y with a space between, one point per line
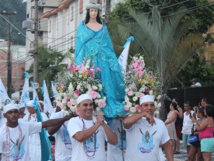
66 138
147 142
91 144
121 135
17 149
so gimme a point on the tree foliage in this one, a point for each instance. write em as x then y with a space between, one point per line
49 64
20 8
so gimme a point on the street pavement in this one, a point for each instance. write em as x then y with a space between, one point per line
183 154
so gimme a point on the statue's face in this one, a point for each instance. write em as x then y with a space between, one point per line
93 13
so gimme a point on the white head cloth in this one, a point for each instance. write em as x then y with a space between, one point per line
30 103
9 107
93 4
83 97
146 98
21 105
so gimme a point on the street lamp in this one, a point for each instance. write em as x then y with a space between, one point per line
9 69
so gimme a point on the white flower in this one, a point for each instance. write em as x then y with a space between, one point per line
158 97
126 99
73 108
126 90
132 110
129 104
100 87
97 109
156 104
71 88
78 87
134 98
96 101
159 105
94 88
137 94
151 92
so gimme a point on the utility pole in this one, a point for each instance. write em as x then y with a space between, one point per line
107 11
9 64
36 35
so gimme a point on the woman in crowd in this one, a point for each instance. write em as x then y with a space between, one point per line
206 130
195 149
170 123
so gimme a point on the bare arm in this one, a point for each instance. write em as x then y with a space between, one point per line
129 121
53 122
168 151
180 113
53 129
198 126
171 118
85 134
111 136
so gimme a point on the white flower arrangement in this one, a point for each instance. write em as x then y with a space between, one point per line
77 80
139 82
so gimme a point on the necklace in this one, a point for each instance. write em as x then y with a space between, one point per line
92 140
98 42
17 143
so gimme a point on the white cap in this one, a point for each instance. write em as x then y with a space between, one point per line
30 103
83 97
9 107
146 98
21 105
92 4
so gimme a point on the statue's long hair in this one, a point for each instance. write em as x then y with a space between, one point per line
87 17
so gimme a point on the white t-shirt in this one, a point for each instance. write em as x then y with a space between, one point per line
3 120
34 139
116 152
13 135
93 149
143 140
187 124
63 146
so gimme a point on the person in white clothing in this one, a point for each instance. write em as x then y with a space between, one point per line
187 125
88 134
145 134
63 147
14 135
117 152
34 139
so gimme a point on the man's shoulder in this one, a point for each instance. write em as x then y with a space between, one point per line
159 121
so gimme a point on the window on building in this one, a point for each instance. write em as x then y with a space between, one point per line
72 13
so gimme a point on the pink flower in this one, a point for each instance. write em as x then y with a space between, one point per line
60 105
141 95
126 107
98 69
61 85
93 94
69 104
77 92
137 107
147 90
130 93
101 103
90 72
152 77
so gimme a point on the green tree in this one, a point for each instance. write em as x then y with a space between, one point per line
166 37
49 64
11 6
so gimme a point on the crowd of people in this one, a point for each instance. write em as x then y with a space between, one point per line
126 138
194 126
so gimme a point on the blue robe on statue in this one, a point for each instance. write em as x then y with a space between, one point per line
97 46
